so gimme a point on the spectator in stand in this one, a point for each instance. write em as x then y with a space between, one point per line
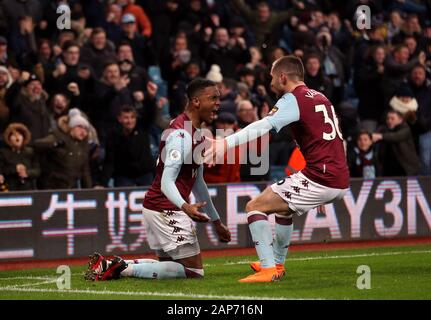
398 67
140 45
23 41
369 88
112 23
411 43
369 38
5 83
178 92
228 53
397 152
180 55
314 76
97 51
19 165
214 74
66 165
229 93
66 69
256 64
341 35
247 77
143 22
16 9
27 102
363 158
229 171
262 21
333 62
58 107
421 87
404 102
138 76
237 29
7 57
111 92
246 114
46 56
394 25
128 156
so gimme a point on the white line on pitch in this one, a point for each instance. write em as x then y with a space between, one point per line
34 283
37 277
394 253
28 278
146 294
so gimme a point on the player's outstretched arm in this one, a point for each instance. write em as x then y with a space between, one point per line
218 147
286 111
176 150
201 193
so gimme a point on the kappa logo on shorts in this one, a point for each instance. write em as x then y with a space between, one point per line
176 230
168 213
180 239
181 135
172 222
305 183
288 195
296 189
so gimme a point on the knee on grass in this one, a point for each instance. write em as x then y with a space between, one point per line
194 273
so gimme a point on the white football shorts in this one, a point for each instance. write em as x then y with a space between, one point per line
171 232
302 194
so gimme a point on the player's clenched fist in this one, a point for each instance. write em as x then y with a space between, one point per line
192 211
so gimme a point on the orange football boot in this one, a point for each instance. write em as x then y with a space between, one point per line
280 268
264 275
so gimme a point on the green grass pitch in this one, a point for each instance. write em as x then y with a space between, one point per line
396 273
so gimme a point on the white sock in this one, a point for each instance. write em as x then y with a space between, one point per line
128 272
283 233
262 237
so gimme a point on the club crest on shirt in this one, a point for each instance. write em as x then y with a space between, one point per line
273 110
175 155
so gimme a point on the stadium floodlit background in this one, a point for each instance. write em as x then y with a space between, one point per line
120 69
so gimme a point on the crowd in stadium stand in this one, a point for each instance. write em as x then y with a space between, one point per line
85 107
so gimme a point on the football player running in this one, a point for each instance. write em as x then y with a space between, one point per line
325 178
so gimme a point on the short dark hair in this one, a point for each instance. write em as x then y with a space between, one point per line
197 85
109 62
291 65
69 44
127 109
362 132
124 43
398 48
396 112
96 31
312 55
263 4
